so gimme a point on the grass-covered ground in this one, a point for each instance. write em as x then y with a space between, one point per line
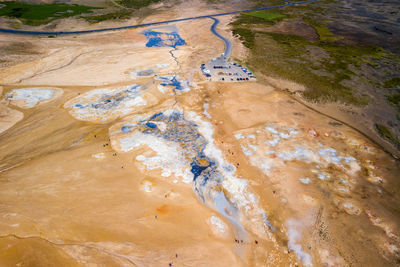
243 25
136 8
394 99
264 3
38 14
392 83
136 4
266 15
116 15
385 133
288 56
322 77
297 43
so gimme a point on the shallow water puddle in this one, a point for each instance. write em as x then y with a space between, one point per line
174 82
163 37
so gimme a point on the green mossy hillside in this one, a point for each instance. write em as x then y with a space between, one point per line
38 14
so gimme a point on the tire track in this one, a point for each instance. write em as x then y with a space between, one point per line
57 68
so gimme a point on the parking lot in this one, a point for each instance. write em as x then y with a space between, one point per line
219 69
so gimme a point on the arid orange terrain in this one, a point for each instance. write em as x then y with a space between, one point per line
117 150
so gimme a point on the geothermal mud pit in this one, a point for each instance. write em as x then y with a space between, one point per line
152 165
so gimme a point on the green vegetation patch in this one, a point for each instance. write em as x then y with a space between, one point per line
118 15
243 24
266 15
265 3
245 20
346 55
323 31
31 14
384 132
324 66
394 100
136 4
392 83
287 56
246 36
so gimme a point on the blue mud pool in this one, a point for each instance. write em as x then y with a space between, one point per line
163 39
173 81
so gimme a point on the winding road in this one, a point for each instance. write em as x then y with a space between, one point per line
228 44
11 31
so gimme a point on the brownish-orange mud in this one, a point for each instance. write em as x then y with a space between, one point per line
71 196
364 234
